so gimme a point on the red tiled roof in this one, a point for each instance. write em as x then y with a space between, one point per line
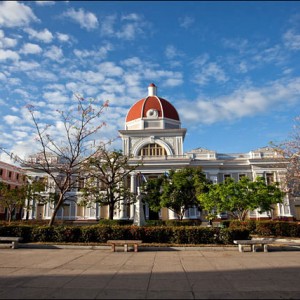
165 109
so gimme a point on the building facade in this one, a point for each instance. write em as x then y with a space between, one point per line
152 134
15 178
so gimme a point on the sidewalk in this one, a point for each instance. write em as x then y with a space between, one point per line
76 273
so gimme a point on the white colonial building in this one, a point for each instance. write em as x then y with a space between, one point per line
153 134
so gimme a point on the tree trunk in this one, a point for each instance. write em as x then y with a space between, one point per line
111 211
57 207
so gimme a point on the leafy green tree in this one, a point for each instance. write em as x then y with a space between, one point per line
11 198
237 198
107 173
152 190
178 191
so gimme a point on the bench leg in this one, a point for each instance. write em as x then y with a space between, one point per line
241 248
125 247
254 248
14 245
135 247
113 247
266 247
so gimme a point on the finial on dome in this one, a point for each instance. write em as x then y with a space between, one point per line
152 89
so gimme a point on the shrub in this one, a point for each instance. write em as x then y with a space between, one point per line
115 222
228 235
195 222
44 234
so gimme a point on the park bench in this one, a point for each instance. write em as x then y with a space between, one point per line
255 244
14 240
124 243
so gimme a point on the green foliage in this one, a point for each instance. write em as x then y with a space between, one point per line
11 198
115 222
178 191
238 198
155 223
277 228
44 234
183 222
188 235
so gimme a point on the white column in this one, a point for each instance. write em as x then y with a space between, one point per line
132 190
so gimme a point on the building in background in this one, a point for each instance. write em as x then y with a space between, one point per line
15 178
152 132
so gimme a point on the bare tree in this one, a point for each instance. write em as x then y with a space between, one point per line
290 149
62 158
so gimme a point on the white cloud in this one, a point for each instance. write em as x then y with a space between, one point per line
25 66
173 82
243 102
292 40
63 37
129 26
101 53
15 14
11 120
86 20
171 52
2 76
30 48
107 25
44 35
131 17
42 74
110 69
54 53
186 22
45 3
55 97
6 42
128 31
133 61
200 60
8 54
19 134
211 71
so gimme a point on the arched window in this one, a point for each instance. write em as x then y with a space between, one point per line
153 150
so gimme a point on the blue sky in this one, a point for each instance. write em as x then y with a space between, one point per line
231 68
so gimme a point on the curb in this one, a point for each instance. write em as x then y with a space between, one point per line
141 248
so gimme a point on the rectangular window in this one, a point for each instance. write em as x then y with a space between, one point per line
1 172
9 174
241 176
269 178
226 176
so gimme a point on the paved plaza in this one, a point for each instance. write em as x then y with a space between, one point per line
192 274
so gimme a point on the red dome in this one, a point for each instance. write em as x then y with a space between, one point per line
164 108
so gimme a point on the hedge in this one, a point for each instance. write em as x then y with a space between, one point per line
102 233
266 228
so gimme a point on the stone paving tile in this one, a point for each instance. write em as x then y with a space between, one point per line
74 293
125 283
90 274
27 293
121 294
170 295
